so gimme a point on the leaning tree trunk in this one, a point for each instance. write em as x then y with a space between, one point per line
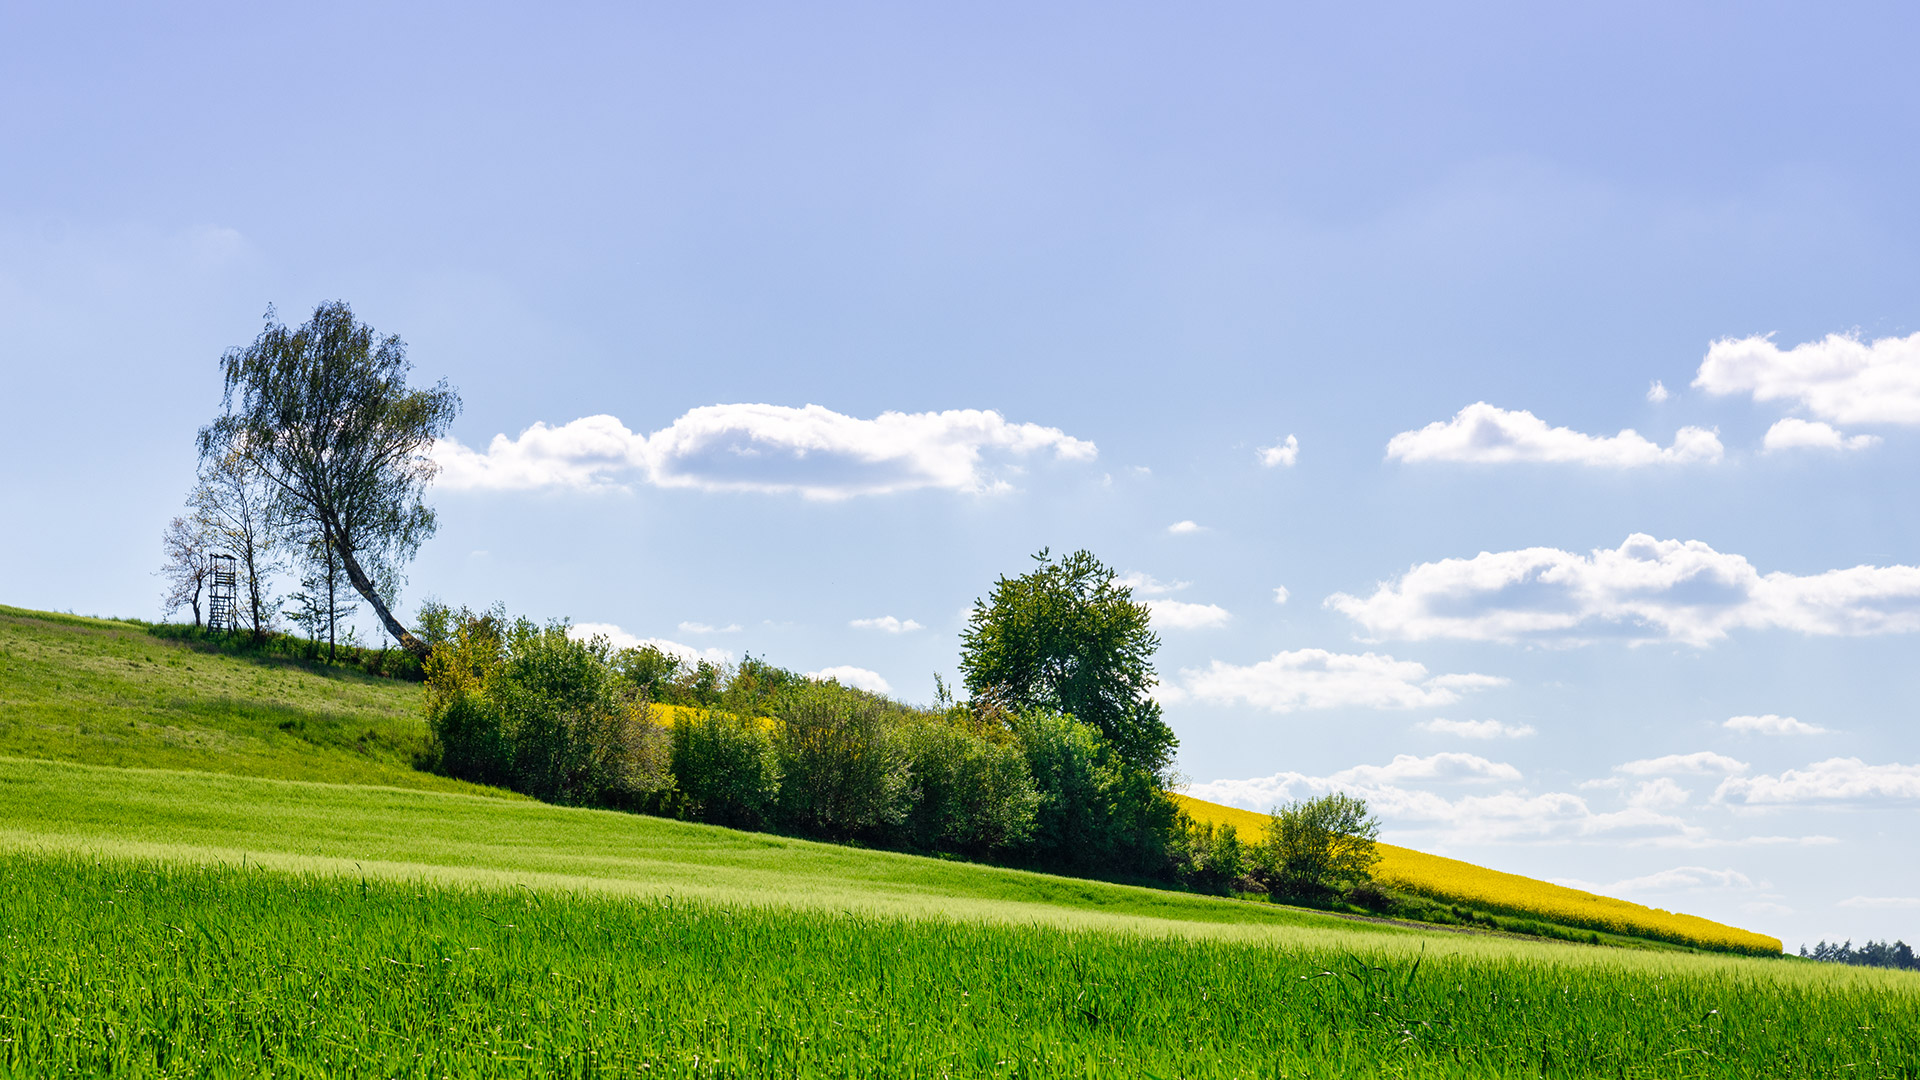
364 586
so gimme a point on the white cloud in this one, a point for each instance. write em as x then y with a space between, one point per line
591 453
1148 585
1794 433
1318 679
703 628
1504 816
620 639
1836 780
1660 794
1281 453
1880 902
1182 528
858 677
1280 594
1698 763
1657 392
1771 724
812 451
1645 590
1678 879
1477 729
1838 378
1486 434
1450 766
886 623
1181 615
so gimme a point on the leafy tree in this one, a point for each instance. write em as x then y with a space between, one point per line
187 568
1319 847
1068 637
318 607
239 515
324 413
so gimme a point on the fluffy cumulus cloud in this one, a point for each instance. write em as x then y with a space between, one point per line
1833 781
1698 763
1400 792
857 677
1771 724
886 624
1659 794
1657 392
1487 434
1318 679
1182 615
1839 378
620 639
812 451
1644 590
1167 612
1185 528
1281 454
1794 433
1477 729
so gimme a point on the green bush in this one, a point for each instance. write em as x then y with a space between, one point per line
726 769
972 791
1097 813
529 707
1210 858
845 770
1318 848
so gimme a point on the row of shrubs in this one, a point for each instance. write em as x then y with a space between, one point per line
524 706
520 705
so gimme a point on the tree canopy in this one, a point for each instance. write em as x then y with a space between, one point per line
1067 636
323 412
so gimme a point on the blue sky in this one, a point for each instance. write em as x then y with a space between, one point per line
830 316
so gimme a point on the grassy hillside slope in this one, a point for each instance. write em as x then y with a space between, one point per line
108 693
55 806
1453 881
102 692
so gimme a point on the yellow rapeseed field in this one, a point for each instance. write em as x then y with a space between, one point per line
1453 881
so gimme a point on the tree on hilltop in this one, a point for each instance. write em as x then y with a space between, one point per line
323 412
1068 637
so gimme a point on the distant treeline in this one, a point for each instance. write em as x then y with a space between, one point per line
1872 954
753 746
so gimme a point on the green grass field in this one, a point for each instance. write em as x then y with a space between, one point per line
131 967
286 896
108 693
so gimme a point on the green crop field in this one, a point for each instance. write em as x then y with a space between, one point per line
286 896
139 967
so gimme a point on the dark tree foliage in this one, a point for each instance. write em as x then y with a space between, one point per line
1873 954
323 411
1067 637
